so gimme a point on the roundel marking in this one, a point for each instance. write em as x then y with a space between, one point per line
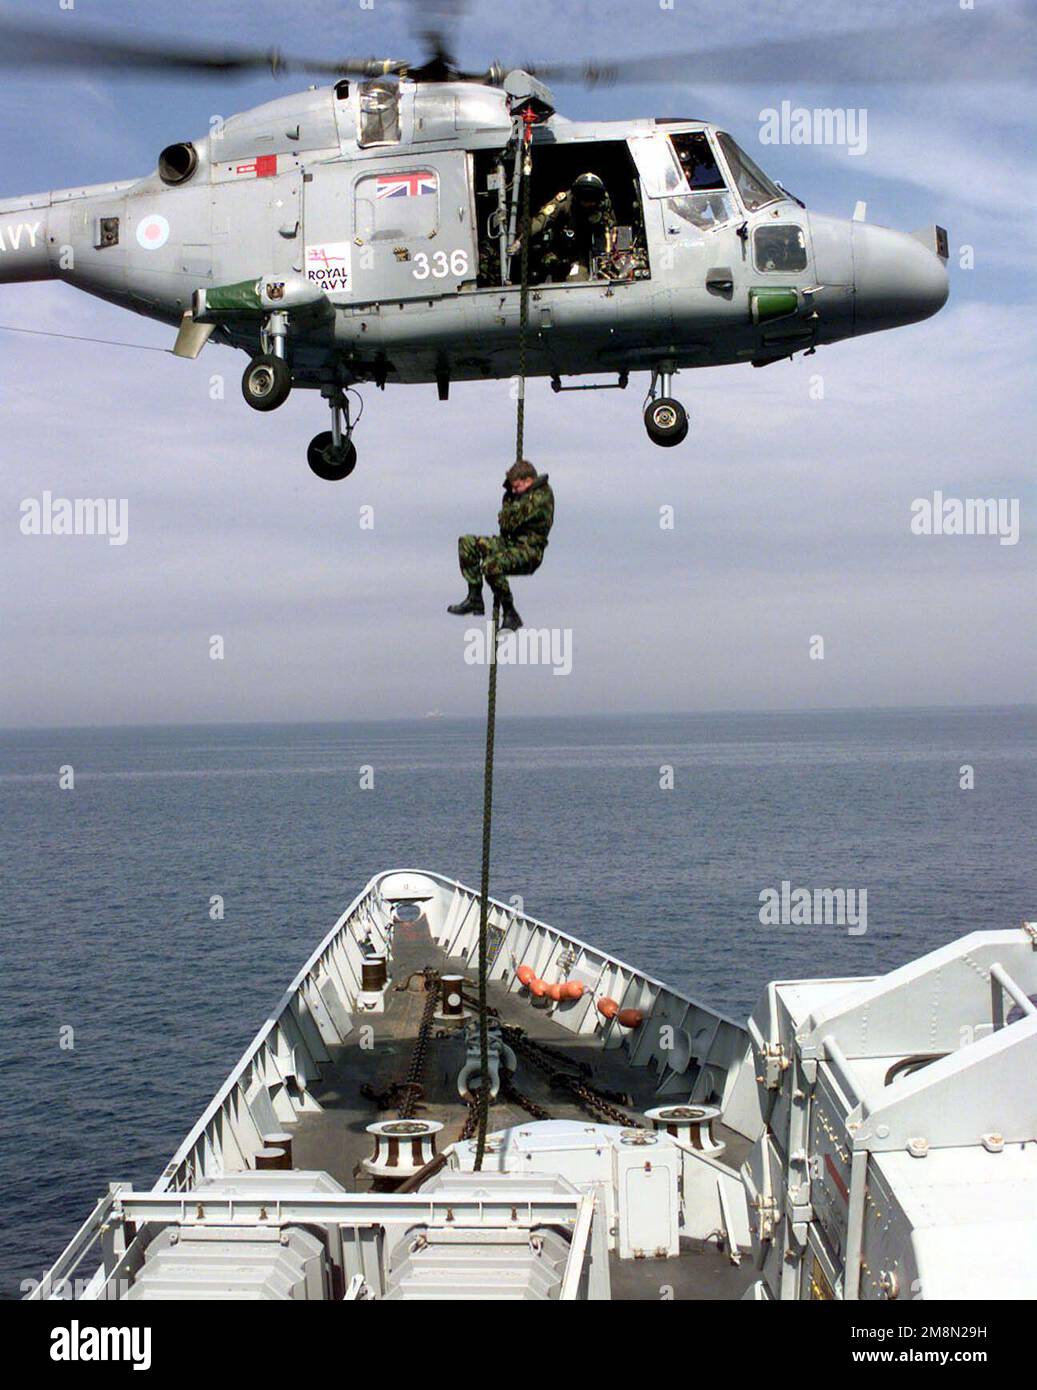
153 232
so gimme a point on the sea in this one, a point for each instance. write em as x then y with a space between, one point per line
159 887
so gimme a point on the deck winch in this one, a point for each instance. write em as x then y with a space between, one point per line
401 1148
689 1124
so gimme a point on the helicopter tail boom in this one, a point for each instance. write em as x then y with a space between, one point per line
25 251
40 234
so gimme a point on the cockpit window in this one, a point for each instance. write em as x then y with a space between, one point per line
658 170
705 210
755 188
696 159
780 247
379 113
683 169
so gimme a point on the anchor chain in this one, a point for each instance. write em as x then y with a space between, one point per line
388 1099
472 1120
590 1100
520 1039
597 1100
511 1092
413 1083
588 1097
405 1095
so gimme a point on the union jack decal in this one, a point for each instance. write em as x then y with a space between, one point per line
413 184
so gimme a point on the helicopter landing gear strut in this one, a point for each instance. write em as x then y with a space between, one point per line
332 454
267 382
666 420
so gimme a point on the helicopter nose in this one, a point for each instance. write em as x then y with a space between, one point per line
897 279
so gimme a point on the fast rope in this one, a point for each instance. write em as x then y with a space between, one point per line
491 699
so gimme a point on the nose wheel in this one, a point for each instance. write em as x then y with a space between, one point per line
332 453
267 382
666 420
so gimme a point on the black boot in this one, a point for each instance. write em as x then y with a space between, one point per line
472 604
509 618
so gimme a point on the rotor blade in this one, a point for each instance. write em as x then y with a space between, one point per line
436 21
22 47
964 46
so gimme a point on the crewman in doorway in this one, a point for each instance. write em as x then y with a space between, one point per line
571 231
525 521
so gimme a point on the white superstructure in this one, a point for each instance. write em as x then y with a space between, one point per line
899 1156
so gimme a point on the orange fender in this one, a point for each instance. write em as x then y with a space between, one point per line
525 975
630 1018
608 1008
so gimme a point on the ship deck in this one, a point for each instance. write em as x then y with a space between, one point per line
334 1139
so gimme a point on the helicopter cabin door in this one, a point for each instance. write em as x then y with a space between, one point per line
390 229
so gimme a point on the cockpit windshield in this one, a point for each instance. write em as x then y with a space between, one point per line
753 185
682 169
697 161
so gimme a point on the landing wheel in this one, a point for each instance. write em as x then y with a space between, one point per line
267 382
329 460
666 421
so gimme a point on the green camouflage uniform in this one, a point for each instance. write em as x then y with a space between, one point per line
525 521
560 237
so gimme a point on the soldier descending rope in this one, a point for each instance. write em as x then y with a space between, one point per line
525 521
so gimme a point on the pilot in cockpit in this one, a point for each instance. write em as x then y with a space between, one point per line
696 157
708 205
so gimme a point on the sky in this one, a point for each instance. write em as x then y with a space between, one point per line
791 513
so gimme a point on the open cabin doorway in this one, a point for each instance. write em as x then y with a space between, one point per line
621 255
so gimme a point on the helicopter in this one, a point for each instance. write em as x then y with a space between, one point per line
369 231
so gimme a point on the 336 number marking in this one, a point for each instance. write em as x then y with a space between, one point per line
441 265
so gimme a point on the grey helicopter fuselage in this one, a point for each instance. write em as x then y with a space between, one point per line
368 224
